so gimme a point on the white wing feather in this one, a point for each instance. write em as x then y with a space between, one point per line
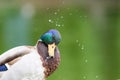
14 53
29 67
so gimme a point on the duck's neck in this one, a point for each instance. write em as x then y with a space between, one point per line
50 64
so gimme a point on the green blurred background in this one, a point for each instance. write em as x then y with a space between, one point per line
90 46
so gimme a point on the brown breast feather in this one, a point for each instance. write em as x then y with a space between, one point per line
50 64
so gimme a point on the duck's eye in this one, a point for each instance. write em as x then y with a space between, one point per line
53 37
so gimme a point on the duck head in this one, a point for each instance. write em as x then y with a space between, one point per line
51 39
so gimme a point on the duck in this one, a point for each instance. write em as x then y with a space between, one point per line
32 62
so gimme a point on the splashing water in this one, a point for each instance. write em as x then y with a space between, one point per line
58 25
80 44
58 20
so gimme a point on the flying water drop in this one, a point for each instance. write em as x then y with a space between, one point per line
58 25
82 47
55 13
84 77
86 61
50 21
77 41
96 76
61 17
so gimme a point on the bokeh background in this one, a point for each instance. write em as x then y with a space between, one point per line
90 29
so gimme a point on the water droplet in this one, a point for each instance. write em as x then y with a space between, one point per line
61 17
58 25
55 13
84 77
86 60
50 21
77 41
96 76
82 47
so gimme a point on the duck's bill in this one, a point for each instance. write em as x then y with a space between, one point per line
51 49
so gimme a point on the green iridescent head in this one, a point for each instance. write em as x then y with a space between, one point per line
52 36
